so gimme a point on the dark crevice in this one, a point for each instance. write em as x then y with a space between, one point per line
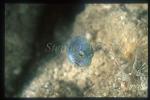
44 33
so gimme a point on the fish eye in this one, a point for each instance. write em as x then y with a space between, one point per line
81 54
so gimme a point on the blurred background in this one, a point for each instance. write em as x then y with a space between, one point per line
118 69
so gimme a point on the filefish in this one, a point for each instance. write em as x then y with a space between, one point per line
80 51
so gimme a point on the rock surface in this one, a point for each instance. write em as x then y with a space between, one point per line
118 34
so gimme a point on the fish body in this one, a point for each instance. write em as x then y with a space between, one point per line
79 51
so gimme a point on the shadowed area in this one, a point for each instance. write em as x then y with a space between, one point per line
46 19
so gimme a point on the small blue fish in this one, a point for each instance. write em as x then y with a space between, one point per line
79 51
